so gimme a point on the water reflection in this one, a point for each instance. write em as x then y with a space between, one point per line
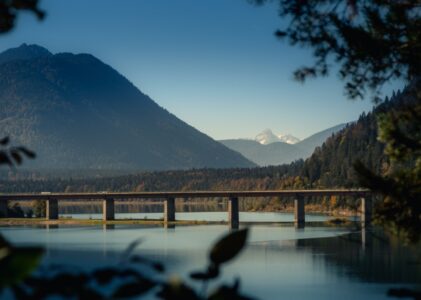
108 227
280 262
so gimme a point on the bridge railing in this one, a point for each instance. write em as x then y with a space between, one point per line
108 200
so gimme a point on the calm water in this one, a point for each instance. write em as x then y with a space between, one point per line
208 216
280 262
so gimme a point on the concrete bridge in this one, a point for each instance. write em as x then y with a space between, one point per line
168 199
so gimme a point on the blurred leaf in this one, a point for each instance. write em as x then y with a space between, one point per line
228 247
3 242
211 273
16 156
226 292
19 264
4 252
4 141
404 293
28 153
129 250
137 259
158 267
133 289
4 159
130 273
177 290
88 293
105 276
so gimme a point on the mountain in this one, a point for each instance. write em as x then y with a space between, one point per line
76 112
288 138
264 155
24 52
308 145
332 164
268 150
267 137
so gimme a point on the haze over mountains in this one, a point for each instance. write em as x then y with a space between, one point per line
76 112
267 149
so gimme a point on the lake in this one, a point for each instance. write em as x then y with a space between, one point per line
280 261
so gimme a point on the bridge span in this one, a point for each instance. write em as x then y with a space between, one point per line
168 198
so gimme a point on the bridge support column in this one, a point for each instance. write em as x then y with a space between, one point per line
51 209
366 208
108 209
233 213
169 209
3 208
299 212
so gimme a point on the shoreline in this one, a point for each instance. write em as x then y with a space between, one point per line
94 222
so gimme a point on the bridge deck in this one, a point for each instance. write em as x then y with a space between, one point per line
191 194
108 199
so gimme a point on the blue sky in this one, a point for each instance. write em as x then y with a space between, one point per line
213 63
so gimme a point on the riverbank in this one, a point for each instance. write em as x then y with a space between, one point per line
72 221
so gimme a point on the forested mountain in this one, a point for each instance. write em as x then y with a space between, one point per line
278 153
331 165
76 112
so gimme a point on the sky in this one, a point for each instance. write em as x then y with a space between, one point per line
215 64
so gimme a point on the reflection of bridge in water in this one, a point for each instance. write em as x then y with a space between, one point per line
168 198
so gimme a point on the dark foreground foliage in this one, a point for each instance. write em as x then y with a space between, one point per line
133 277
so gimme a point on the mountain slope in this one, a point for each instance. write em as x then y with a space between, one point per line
77 112
308 145
278 153
332 164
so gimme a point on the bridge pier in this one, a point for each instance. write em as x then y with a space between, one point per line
233 213
108 209
169 209
51 209
3 208
366 209
299 212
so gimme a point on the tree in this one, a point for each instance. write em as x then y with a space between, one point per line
9 10
372 42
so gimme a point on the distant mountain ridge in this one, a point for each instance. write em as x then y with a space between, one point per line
76 112
277 153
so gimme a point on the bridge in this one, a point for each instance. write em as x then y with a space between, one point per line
168 199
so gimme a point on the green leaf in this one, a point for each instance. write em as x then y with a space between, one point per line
228 247
19 264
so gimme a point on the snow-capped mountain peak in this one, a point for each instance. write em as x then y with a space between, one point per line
268 137
288 138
